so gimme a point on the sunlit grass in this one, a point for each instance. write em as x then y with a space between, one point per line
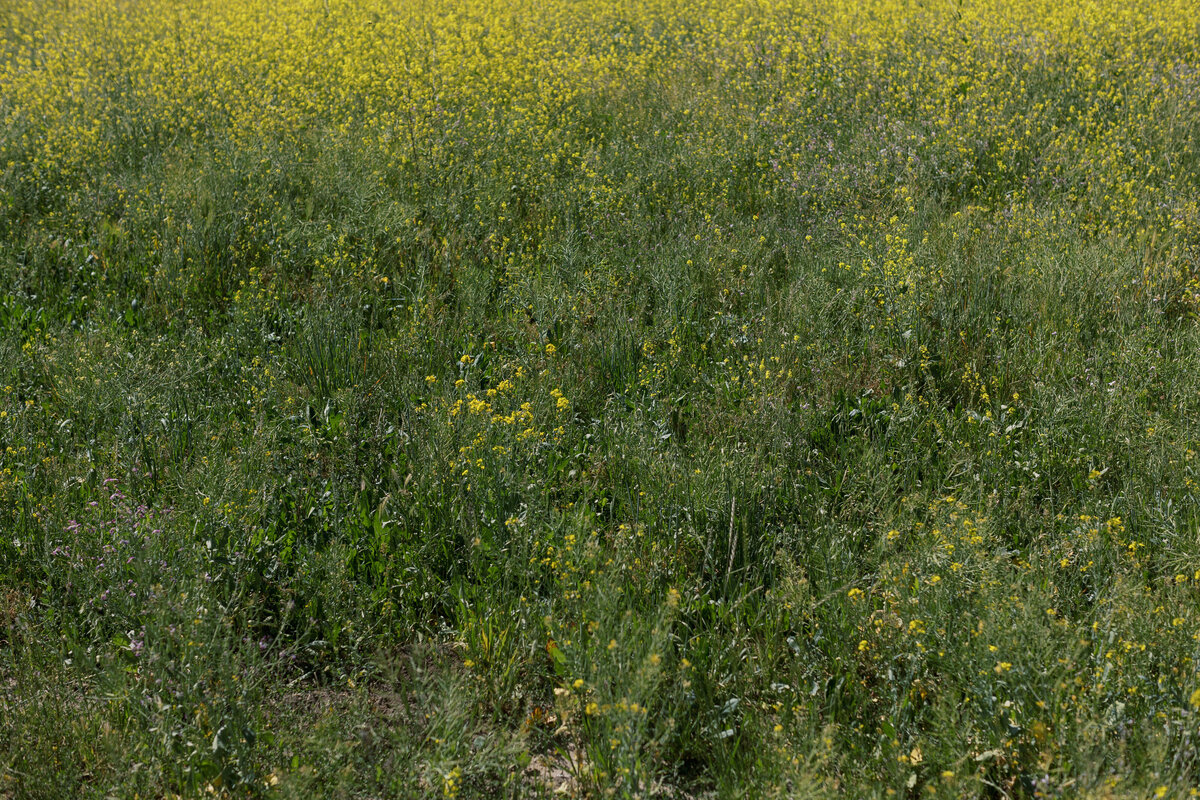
633 399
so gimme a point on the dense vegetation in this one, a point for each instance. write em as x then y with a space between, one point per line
613 397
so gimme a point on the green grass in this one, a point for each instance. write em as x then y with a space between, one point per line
331 472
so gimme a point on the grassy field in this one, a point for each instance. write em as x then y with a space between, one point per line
609 398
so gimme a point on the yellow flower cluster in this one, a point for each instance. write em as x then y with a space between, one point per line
476 86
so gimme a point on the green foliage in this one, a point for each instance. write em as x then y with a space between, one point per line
614 400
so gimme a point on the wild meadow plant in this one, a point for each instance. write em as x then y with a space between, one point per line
612 398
